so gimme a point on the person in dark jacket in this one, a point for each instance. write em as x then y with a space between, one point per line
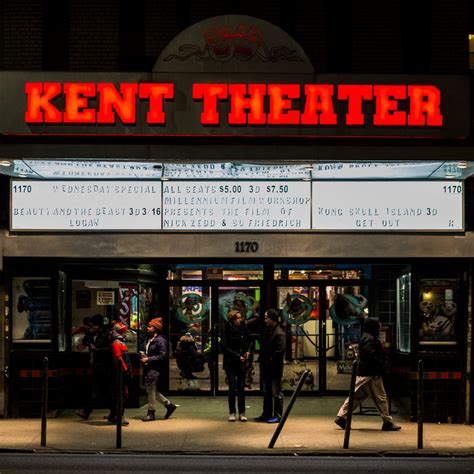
236 347
121 357
272 352
97 341
153 356
369 378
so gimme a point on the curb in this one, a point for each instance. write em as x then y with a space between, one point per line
271 452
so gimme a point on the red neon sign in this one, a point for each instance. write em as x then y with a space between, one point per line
397 105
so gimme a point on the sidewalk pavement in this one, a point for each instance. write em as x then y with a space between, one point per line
200 426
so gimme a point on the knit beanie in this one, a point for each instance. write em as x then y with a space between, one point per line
119 327
157 323
272 314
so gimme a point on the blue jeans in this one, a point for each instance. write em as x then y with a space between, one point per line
272 395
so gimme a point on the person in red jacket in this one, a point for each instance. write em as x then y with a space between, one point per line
122 361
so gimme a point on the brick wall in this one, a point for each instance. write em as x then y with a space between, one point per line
22 34
94 35
310 33
376 37
160 26
450 37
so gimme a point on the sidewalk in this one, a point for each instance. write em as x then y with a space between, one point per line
200 425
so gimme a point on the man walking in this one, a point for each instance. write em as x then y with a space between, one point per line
271 367
154 355
369 379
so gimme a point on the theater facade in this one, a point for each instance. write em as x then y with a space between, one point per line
234 175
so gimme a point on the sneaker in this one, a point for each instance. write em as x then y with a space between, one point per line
340 421
170 408
232 417
273 419
389 426
242 417
260 418
82 414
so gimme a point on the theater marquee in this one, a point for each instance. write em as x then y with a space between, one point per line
236 206
253 105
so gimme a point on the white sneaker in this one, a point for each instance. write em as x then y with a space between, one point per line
232 417
242 417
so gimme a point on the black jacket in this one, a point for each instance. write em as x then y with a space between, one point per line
235 343
101 359
272 351
372 360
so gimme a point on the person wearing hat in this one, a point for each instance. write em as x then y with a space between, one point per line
121 357
153 356
271 357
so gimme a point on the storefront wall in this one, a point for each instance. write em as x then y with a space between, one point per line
222 245
185 137
439 256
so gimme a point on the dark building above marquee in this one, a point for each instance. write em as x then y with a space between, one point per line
233 44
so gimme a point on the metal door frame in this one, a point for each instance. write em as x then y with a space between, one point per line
214 286
322 285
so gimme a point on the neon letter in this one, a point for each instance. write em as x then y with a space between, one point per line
280 104
209 93
110 100
39 108
424 106
354 94
386 105
254 104
156 93
76 102
318 107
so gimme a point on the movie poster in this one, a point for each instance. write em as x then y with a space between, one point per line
31 301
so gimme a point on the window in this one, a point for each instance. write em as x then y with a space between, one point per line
233 272
404 313
31 309
471 51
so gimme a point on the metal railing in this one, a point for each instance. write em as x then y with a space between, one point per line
293 398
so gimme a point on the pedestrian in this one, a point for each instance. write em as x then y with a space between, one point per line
236 347
369 378
272 352
100 362
121 357
153 356
188 358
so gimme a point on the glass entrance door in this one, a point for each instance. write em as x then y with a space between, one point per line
245 299
190 338
345 305
300 308
198 315
323 330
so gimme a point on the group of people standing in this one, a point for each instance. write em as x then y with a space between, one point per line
236 346
109 355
